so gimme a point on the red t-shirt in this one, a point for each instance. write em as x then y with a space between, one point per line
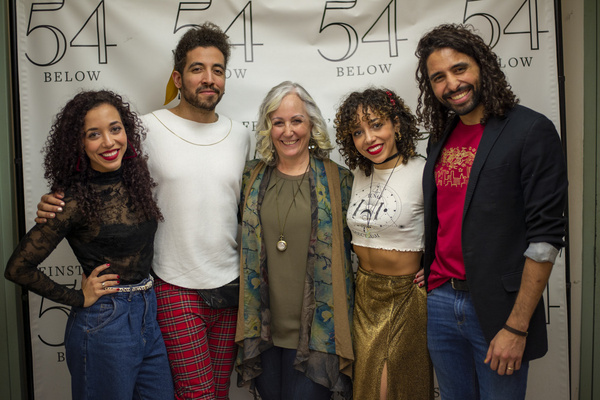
452 170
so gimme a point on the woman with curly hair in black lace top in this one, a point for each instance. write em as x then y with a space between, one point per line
114 347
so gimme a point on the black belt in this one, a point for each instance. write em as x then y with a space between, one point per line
459 284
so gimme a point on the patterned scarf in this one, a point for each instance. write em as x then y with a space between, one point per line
325 344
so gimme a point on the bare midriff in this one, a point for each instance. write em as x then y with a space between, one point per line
388 262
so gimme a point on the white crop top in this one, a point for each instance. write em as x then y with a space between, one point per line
388 217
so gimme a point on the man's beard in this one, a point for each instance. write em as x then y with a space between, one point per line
466 108
196 102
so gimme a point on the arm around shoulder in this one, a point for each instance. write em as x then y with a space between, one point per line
49 205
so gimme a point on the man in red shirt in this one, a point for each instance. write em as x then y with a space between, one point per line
495 189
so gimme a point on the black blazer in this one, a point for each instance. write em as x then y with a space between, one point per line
516 195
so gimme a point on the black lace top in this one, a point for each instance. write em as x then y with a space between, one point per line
124 238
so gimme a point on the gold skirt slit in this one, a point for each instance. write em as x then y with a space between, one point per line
390 326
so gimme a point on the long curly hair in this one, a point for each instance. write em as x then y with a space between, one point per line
384 104
496 93
319 144
67 166
205 35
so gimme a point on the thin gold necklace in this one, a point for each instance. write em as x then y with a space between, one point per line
196 144
282 244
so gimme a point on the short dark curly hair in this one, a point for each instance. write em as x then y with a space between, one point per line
496 93
67 166
385 104
205 35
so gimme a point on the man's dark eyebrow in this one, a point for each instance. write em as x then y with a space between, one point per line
432 76
457 65
460 64
198 63
195 64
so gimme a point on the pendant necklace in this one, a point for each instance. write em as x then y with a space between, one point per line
367 229
282 244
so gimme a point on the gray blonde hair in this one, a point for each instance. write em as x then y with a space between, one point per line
319 144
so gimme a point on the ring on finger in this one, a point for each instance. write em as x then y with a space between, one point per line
103 283
509 368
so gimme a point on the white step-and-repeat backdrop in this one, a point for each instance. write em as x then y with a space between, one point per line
330 47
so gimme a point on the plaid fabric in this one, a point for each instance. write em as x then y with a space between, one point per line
200 342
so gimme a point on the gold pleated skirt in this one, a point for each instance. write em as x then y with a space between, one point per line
390 326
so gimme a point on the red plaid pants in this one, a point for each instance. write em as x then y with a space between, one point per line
200 342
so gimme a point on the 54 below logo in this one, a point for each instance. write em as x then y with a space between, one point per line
69 76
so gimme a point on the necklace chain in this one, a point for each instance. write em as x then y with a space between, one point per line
369 215
192 143
282 244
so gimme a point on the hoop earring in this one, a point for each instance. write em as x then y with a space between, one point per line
78 165
130 146
398 136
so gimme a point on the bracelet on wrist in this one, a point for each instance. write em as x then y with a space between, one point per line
515 331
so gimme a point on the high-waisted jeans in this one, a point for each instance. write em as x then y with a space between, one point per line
114 349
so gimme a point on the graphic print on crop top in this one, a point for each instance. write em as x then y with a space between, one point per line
374 209
386 210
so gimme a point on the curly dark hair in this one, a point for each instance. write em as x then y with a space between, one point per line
67 166
205 35
385 104
496 93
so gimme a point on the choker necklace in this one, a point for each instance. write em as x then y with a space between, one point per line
282 244
367 229
387 159
196 144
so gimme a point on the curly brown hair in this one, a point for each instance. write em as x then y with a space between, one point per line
385 104
496 93
205 35
67 166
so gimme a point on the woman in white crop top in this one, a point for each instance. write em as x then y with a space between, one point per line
377 136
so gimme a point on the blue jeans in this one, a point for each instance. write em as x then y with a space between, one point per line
114 349
280 381
457 348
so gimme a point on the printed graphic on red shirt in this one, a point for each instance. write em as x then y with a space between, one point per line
454 166
452 171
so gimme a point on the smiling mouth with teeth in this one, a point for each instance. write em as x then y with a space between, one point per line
375 148
110 154
459 95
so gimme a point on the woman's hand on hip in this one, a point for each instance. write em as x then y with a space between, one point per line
95 286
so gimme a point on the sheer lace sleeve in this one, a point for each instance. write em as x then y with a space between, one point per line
34 248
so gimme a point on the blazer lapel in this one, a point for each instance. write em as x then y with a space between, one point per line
433 152
490 134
